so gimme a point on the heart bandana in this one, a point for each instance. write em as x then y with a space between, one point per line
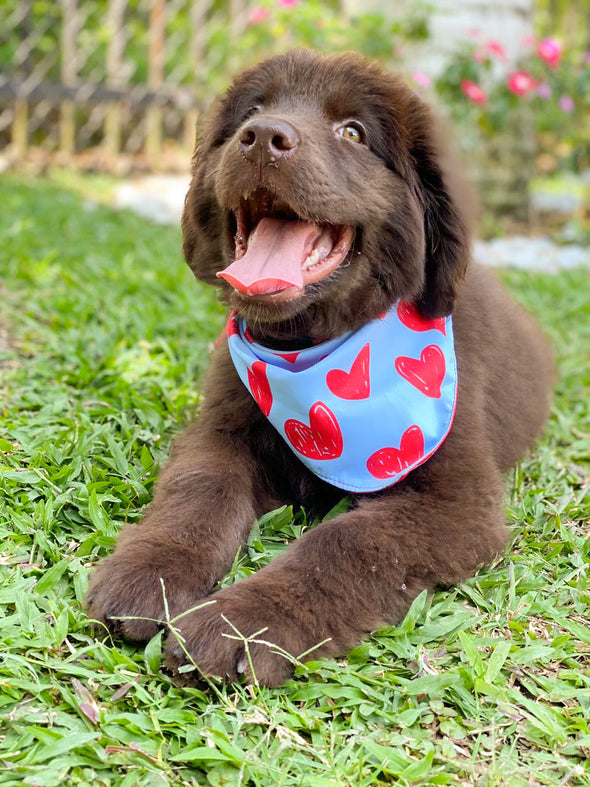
362 410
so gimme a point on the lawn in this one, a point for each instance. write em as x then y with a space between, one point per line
103 338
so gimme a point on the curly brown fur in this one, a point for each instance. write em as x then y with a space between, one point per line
405 199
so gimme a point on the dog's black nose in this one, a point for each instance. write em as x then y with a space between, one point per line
266 140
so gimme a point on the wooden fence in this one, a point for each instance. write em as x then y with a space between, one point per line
119 77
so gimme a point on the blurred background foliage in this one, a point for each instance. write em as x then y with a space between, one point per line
481 86
226 40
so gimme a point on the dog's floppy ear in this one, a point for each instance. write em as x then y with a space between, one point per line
202 219
448 206
204 222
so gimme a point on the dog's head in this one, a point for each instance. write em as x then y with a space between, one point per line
320 195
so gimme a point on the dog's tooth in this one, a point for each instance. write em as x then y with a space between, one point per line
311 259
242 665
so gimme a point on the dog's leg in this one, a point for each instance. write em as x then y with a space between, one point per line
348 575
203 508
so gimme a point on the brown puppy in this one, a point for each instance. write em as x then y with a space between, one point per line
344 150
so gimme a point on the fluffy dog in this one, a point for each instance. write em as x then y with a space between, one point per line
323 204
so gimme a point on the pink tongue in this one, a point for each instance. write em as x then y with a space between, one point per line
273 261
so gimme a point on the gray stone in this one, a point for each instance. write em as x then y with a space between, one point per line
158 198
534 254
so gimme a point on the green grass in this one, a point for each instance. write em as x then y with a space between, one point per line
485 684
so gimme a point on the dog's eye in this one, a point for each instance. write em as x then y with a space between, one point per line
353 132
251 111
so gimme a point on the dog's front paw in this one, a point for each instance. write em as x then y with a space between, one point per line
214 637
133 595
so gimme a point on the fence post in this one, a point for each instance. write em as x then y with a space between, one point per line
114 73
237 23
198 15
199 9
237 17
22 62
69 75
189 135
20 122
155 80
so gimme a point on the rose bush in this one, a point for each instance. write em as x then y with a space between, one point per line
482 86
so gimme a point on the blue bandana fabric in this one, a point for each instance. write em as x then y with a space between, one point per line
362 410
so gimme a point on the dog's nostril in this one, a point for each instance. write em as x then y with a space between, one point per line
283 142
248 138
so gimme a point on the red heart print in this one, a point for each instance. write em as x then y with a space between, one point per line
412 319
322 439
232 325
425 373
389 462
354 384
291 357
260 386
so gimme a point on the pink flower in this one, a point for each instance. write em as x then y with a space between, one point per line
550 50
497 49
473 92
566 104
257 15
288 3
544 90
422 79
521 82
586 58
528 40
473 32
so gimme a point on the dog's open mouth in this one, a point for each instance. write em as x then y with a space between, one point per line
279 253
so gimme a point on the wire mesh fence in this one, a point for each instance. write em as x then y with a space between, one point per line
119 83
102 81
